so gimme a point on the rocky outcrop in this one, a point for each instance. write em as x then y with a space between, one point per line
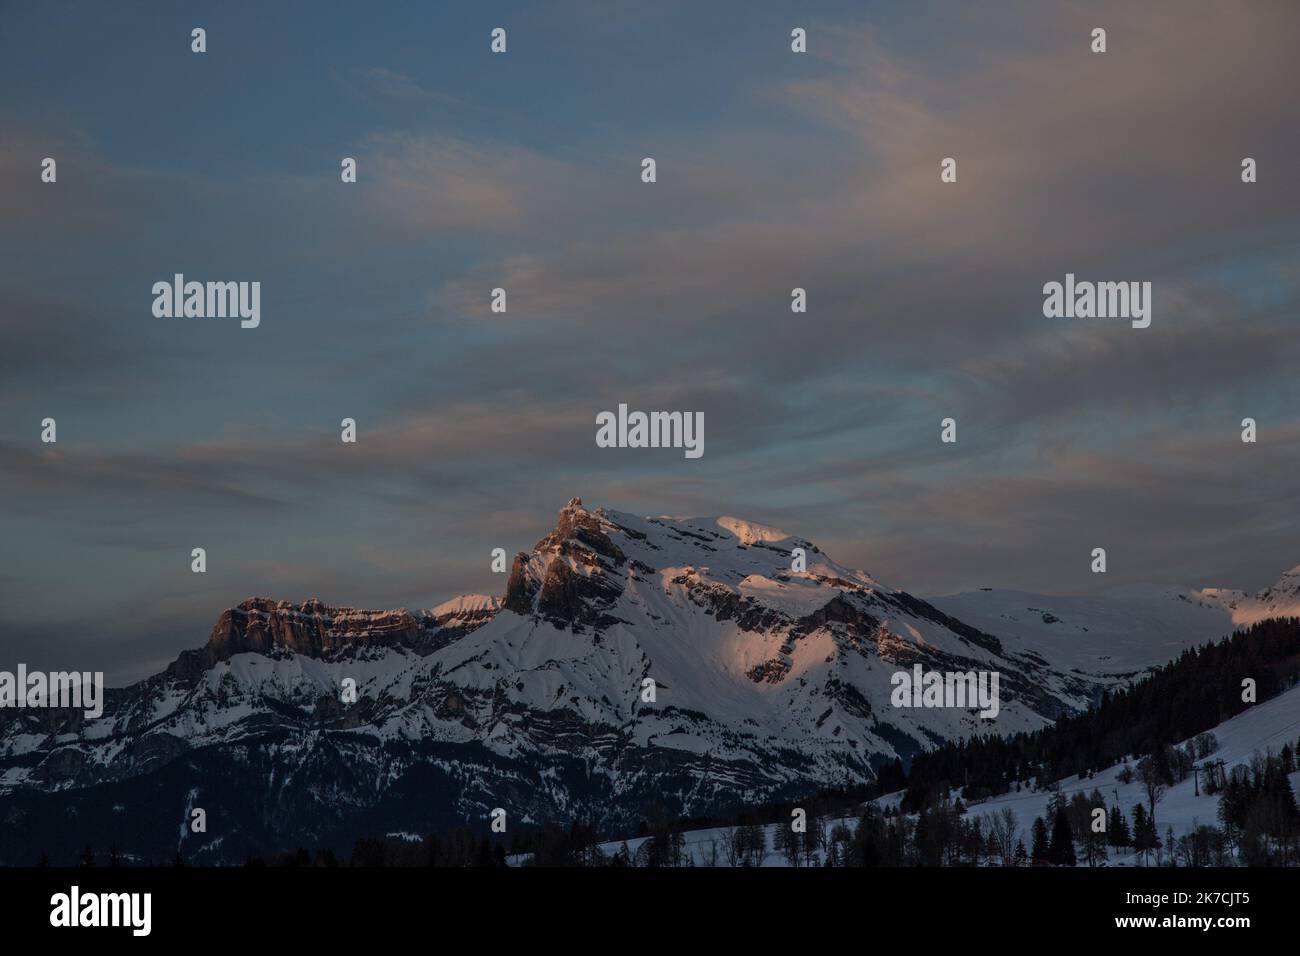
573 575
263 626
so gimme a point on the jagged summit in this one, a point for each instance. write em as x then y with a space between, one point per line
576 573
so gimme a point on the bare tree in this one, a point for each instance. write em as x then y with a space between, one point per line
755 844
1012 826
733 846
813 838
1152 784
787 843
841 839
709 853
1003 826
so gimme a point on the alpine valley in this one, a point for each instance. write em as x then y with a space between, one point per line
768 683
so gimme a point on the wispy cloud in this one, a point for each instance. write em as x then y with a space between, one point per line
390 83
819 172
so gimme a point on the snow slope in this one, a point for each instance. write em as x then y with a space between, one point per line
1120 633
1269 725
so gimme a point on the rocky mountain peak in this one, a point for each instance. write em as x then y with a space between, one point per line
573 573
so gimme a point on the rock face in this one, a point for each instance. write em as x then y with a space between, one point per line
636 668
263 626
573 575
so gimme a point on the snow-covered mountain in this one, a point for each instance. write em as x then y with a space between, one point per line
635 668
1121 632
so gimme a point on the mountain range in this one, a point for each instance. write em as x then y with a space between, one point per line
636 668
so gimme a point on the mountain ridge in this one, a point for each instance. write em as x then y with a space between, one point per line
764 682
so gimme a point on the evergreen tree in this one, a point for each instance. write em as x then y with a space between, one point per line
1094 844
1041 852
1183 699
1061 851
1118 827
1144 832
892 777
787 843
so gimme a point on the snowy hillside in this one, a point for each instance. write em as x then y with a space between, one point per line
1122 631
1269 726
1119 633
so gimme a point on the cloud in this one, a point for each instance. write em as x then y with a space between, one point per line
1069 161
390 83
1206 348
438 183
1188 506
822 172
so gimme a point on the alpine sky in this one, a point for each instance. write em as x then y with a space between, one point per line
522 171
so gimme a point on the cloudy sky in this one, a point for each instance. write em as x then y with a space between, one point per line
774 170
